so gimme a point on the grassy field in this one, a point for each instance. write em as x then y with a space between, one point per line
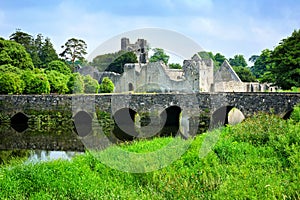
257 159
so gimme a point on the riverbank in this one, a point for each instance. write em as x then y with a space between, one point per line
257 159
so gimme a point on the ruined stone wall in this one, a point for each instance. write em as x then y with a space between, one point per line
138 77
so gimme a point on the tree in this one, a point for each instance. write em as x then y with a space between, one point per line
219 58
14 54
244 73
24 39
76 83
90 85
106 86
253 58
41 51
103 61
175 66
58 82
59 66
74 50
238 60
159 55
118 64
261 63
286 60
47 52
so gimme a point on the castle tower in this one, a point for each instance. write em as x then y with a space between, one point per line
124 44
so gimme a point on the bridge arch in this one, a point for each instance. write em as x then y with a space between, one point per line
287 114
226 115
83 123
124 124
171 117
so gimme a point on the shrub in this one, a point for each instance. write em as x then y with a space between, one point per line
10 68
11 83
296 114
58 82
107 86
90 85
15 54
35 83
59 66
76 83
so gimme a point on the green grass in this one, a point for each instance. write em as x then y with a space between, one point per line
257 159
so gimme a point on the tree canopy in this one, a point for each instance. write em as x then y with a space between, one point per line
118 64
74 50
159 55
14 54
238 60
41 51
261 63
103 61
286 62
59 66
106 86
218 58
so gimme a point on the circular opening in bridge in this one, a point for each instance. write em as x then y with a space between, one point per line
171 126
288 114
19 122
124 126
226 115
83 123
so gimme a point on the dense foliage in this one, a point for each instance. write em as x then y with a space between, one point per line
76 84
280 66
239 65
74 50
11 83
59 66
286 60
101 62
36 82
30 65
41 50
244 73
14 54
58 82
159 55
175 66
106 86
118 64
90 85
257 159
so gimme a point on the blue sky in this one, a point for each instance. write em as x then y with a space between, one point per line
226 26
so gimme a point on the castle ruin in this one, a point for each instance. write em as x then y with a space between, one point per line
197 75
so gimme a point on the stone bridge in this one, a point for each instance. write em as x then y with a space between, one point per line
185 112
16 108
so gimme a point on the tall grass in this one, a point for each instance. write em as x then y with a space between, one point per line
257 159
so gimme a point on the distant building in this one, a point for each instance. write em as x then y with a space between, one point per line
196 75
